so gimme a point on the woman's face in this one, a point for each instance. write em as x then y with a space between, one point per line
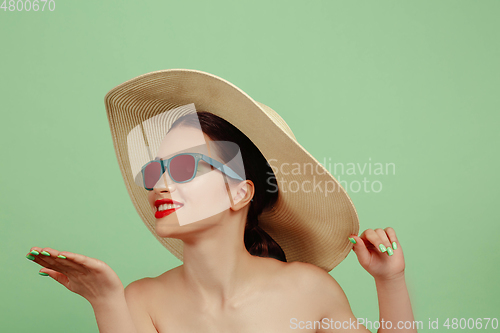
202 199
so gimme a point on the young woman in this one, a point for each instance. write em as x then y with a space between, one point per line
235 277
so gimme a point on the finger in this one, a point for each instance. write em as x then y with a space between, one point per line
65 260
370 236
53 259
385 240
34 255
391 233
49 253
83 261
368 245
35 250
59 277
361 251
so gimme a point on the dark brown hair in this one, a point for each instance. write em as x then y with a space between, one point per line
257 241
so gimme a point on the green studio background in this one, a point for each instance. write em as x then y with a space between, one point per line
412 83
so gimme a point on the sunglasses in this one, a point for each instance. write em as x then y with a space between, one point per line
181 168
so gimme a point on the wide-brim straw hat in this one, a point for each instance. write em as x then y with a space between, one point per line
310 225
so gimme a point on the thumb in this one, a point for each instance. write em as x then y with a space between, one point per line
59 277
361 251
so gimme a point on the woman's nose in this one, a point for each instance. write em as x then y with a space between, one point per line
164 184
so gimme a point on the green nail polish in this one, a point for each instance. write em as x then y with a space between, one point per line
61 256
389 251
30 257
394 246
382 248
35 252
352 240
45 253
42 273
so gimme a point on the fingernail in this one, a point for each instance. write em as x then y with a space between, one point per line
35 252
394 246
45 253
30 257
352 240
382 248
389 251
61 256
42 273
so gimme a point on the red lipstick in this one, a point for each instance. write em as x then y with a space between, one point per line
160 214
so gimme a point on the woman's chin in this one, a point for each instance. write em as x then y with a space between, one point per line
171 228
168 231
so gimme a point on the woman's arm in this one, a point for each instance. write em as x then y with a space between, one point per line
113 316
380 253
116 310
325 295
394 304
126 312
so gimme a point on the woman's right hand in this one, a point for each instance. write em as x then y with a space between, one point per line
91 278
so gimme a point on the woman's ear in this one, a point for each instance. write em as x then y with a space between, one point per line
244 193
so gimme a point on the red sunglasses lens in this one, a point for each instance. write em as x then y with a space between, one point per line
152 173
182 168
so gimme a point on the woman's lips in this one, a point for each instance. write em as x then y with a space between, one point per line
166 201
163 213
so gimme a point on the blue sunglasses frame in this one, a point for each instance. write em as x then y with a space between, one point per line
197 158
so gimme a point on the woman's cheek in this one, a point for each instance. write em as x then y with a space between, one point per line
151 199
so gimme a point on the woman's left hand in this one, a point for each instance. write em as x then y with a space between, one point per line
380 253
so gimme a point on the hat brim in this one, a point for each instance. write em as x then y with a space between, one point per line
310 225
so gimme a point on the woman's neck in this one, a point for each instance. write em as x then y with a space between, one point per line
217 266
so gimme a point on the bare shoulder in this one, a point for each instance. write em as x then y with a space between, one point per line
319 287
138 290
307 277
311 276
148 286
138 295
138 286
